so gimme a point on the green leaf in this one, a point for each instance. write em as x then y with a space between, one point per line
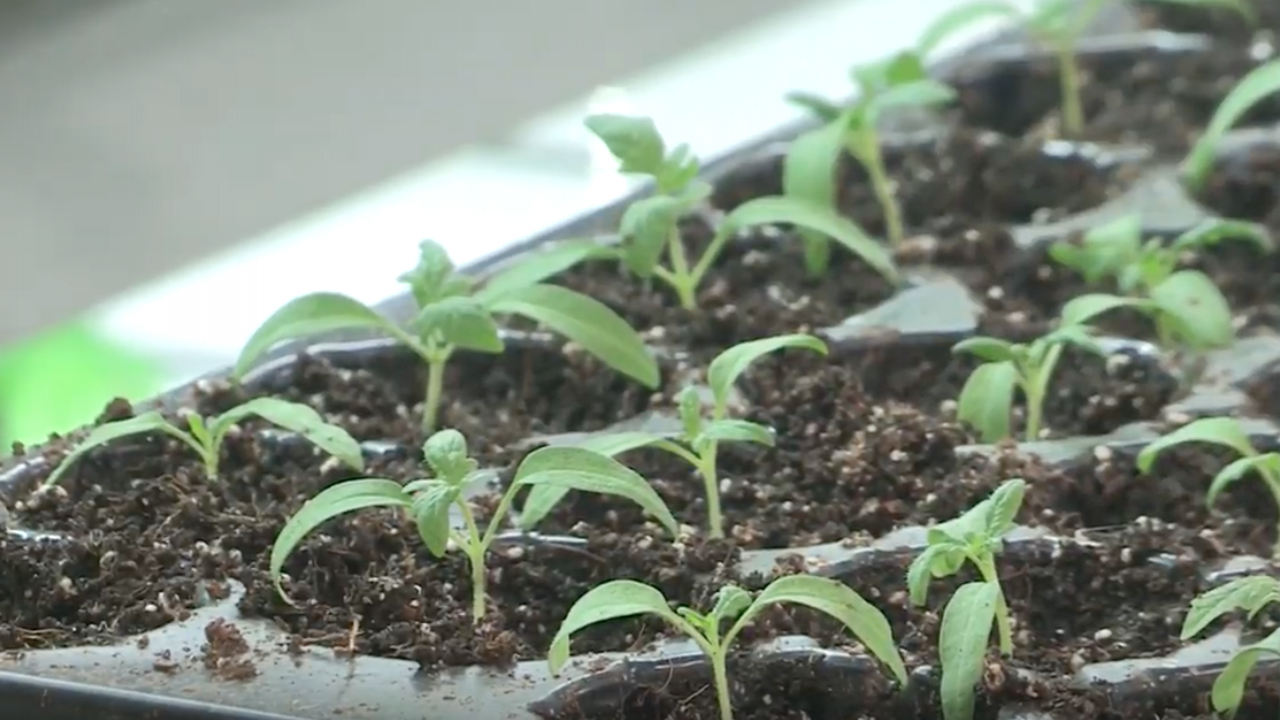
312 315
902 68
536 267
1228 688
1006 501
780 209
1223 431
144 423
818 106
986 400
646 228
297 418
613 600
633 140
433 278
446 454
1104 251
729 365
689 405
1080 336
587 322
838 600
809 175
331 502
462 322
1262 81
921 571
730 430
1216 230
1083 308
679 169
586 471
1233 472
430 510
962 645
956 19
920 93
989 349
1200 312
731 602
1251 594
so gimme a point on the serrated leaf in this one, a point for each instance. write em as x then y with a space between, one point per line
445 452
679 170
1006 501
297 418
1250 594
613 600
430 509
986 400
1231 473
573 468
729 365
329 503
633 140
1228 688
809 174
1104 250
1257 85
839 601
731 430
1222 431
989 349
731 602
311 315
1201 313
538 266
462 322
921 571
146 422
783 210
956 19
432 278
646 228
962 646
588 323
1083 308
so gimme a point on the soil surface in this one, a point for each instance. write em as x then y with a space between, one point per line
867 441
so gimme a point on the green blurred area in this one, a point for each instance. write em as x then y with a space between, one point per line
62 378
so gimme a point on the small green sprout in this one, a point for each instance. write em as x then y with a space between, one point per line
205 435
699 441
1253 88
627 598
974 537
1116 250
453 315
1251 594
1226 432
431 501
650 226
1187 308
810 168
986 401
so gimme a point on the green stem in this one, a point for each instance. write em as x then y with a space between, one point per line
1038 389
475 550
1004 629
435 387
711 484
873 160
1273 484
720 671
685 284
1069 79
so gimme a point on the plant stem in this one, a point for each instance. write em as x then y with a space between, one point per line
1273 484
435 386
685 285
475 553
720 672
1004 629
1069 79
865 146
817 255
711 484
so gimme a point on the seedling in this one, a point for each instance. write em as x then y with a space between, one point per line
974 537
650 226
454 315
1187 309
809 171
699 441
1226 432
1252 89
205 435
627 598
430 502
1250 594
1116 250
986 401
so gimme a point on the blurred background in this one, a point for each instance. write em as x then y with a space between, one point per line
174 170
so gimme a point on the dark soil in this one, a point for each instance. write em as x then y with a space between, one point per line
866 443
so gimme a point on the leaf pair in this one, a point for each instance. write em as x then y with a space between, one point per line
1250 594
205 436
1187 308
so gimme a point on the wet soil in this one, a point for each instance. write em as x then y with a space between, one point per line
866 441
